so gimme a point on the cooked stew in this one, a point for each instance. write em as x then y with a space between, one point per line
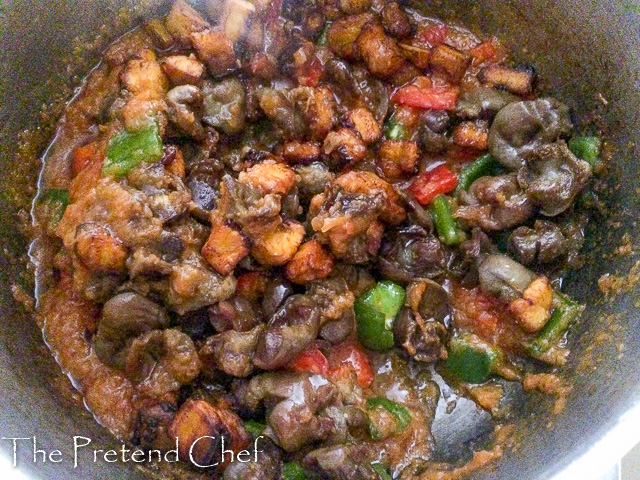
295 221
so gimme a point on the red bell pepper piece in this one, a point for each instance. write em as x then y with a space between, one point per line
311 360
429 185
430 98
349 357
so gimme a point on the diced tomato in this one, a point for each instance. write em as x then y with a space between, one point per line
349 357
487 317
487 52
311 360
433 183
309 74
434 35
83 156
434 98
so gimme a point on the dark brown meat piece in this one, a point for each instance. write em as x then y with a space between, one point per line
495 203
166 194
280 109
332 298
544 243
232 351
296 405
224 105
125 317
203 180
358 84
184 104
161 361
337 331
267 467
344 221
343 148
421 327
553 176
411 253
276 292
291 329
236 313
249 207
521 127
313 179
483 102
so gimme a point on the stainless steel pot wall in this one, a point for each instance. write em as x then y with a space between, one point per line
587 55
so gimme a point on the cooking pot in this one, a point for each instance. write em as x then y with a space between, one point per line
587 55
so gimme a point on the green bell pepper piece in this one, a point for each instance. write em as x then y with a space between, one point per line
381 471
376 311
53 203
470 359
586 148
445 224
394 130
402 415
254 428
293 471
322 38
565 313
481 167
126 150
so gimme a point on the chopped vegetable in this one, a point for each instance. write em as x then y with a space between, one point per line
470 359
126 150
381 471
402 415
311 360
433 183
293 471
322 39
376 311
586 148
446 225
394 130
565 313
254 428
483 166
428 98
350 356
53 203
